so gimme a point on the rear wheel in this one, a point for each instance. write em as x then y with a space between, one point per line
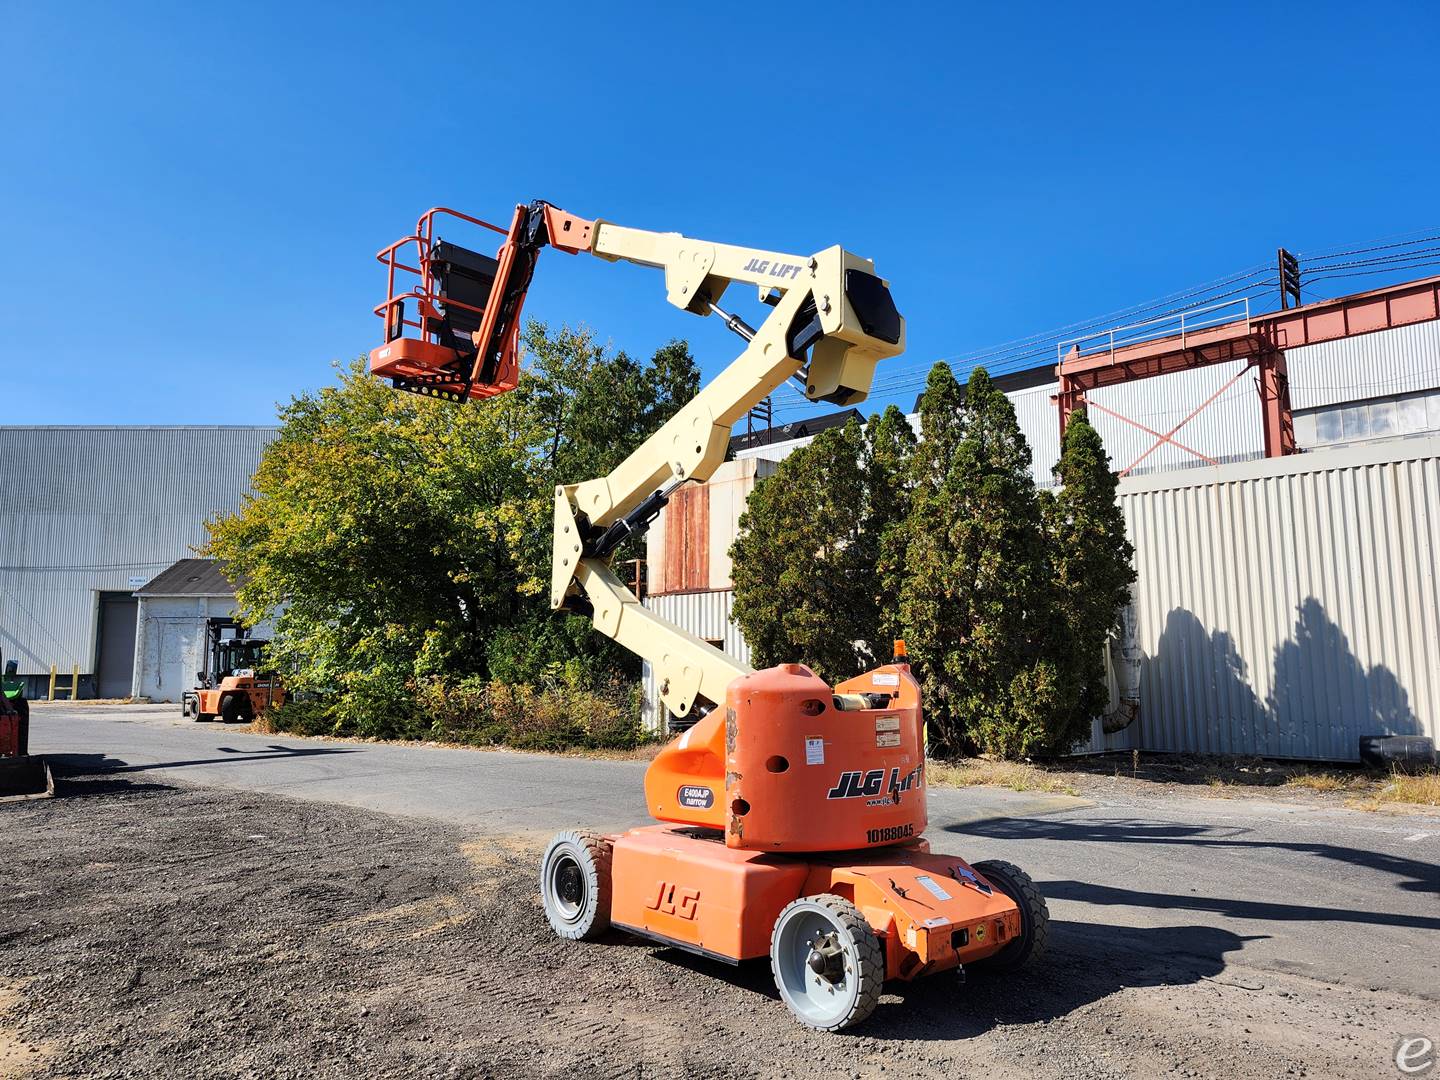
22 709
1034 915
230 709
575 885
827 962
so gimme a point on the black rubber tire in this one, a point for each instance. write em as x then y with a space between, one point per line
589 917
231 710
870 971
22 709
1034 915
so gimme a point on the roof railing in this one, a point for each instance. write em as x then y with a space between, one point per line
1177 324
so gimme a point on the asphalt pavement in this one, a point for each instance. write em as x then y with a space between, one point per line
1343 896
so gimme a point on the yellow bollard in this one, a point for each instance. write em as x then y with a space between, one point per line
74 683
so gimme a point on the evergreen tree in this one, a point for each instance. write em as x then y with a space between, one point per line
889 448
924 605
1091 566
799 570
976 597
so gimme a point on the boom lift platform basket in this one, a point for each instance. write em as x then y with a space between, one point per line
791 812
466 306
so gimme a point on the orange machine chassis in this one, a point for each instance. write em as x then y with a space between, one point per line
682 886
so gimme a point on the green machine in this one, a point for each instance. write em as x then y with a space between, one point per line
22 775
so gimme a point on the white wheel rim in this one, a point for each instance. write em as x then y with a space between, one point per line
808 935
566 887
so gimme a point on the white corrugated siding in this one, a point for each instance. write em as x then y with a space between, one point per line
1040 424
1396 361
704 614
1289 606
84 509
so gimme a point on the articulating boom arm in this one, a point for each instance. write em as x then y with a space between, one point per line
830 321
830 317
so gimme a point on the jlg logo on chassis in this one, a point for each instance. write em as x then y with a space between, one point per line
857 785
670 899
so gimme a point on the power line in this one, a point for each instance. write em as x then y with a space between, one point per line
1375 245
1033 351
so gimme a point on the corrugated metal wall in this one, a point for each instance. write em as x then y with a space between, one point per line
86 509
1394 361
1289 606
704 614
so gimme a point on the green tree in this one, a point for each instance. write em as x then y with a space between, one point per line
807 583
924 606
396 539
976 596
889 481
1091 561
800 591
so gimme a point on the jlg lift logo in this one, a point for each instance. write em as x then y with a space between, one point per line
670 899
867 785
777 270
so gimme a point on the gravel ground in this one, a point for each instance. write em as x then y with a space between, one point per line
152 930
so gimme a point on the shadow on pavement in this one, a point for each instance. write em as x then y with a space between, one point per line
1413 874
1228 906
72 764
86 785
1085 963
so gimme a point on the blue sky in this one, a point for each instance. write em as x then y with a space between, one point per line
193 194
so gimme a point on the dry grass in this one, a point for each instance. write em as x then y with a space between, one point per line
1402 791
1329 781
981 772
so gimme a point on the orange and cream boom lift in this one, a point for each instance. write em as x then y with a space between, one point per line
791 812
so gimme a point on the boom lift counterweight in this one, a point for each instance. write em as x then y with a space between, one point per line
792 812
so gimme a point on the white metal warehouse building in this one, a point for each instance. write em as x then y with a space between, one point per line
88 516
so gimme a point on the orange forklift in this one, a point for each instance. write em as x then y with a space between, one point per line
791 812
233 684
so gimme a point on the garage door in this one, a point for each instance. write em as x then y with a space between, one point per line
117 645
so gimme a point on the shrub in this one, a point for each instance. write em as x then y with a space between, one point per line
558 716
307 717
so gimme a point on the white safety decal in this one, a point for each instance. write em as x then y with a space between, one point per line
933 886
887 738
887 723
885 678
814 751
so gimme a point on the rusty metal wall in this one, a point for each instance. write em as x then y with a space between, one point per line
687 548
1289 606
685 565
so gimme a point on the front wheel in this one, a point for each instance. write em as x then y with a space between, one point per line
1034 915
827 962
575 885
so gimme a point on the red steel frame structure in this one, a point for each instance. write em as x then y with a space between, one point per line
1260 339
